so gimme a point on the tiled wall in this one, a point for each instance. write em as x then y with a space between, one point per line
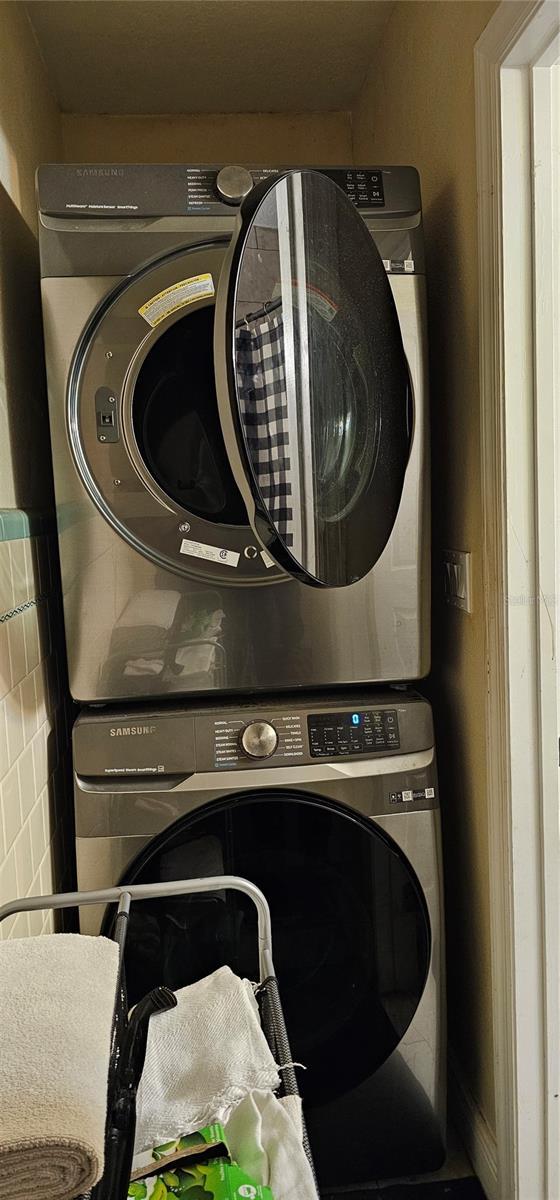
34 810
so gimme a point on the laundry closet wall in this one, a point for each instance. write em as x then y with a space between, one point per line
267 138
417 106
32 725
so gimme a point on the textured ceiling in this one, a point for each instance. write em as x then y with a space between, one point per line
181 56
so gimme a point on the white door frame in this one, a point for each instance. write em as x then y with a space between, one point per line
518 429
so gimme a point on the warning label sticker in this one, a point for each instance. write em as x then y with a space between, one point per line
230 558
186 291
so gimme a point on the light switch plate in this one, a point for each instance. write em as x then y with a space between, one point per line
457 578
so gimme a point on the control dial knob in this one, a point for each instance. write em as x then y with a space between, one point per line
233 184
259 739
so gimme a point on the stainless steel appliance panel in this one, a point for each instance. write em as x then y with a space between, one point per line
124 807
144 621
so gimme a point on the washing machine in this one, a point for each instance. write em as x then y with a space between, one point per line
238 401
330 805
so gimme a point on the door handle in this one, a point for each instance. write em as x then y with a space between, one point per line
409 413
131 783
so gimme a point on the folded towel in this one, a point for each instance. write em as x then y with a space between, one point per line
57 998
144 666
203 1057
264 1135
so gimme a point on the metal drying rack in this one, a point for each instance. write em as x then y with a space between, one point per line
130 1031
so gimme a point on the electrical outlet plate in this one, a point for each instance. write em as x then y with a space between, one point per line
457 578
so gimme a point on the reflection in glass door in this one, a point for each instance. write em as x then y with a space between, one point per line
321 379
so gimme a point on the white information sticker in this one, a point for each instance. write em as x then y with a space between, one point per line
267 560
230 558
179 295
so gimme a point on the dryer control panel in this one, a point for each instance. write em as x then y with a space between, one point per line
133 190
363 185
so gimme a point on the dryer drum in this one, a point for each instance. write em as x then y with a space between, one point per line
352 946
175 418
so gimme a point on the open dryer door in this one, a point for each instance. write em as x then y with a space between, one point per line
312 380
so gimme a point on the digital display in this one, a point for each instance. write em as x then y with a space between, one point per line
334 734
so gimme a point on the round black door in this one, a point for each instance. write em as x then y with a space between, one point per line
312 379
351 935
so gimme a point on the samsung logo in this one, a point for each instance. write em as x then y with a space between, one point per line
131 730
98 171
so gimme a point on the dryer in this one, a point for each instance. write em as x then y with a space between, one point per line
238 400
331 806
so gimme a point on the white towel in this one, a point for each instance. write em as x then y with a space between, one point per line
57 998
144 666
203 1057
264 1135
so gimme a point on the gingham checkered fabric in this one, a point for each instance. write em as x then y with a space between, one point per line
261 388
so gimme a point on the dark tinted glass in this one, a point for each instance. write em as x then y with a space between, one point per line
320 378
176 421
350 931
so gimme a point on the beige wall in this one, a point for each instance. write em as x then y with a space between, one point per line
29 133
417 107
267 138
29 118
32 805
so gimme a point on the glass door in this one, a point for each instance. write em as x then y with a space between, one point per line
351 941
312 379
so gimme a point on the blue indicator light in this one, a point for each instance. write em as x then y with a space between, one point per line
355 718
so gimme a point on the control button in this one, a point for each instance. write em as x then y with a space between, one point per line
105 415
259 739
233 184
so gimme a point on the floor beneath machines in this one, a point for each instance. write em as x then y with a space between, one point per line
455 1181
467 1188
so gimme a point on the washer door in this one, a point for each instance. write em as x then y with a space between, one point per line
351 943
144 425
312 379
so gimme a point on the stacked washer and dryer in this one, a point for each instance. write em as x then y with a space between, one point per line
238 400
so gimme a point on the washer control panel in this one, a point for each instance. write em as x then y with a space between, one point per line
239 740
182 741
284 738
360 732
